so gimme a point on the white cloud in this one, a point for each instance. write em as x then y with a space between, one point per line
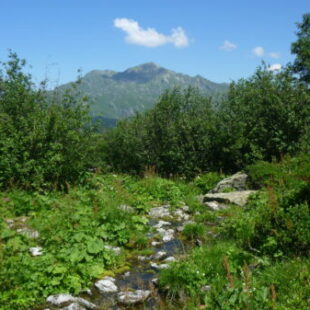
150 37
228 46
274 55
258 51
274 67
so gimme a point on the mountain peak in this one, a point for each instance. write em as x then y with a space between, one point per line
142 73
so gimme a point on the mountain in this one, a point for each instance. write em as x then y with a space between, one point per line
118 95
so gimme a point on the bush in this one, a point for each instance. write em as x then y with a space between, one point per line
44 139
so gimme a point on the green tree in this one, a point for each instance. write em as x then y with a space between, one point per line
264 117
302 49
44 140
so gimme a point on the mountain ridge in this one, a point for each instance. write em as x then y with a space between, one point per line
119 95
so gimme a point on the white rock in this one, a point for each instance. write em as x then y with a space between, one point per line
126 274
170 259
155 243
213 205
106 285
127 208
130 298
36 251
161 223
143 258
159 255
159 212
74 306
114 249
159 266
206 288
85 303
59 299
30 233
185 208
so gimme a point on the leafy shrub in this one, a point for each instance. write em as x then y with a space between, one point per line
207 181
44 139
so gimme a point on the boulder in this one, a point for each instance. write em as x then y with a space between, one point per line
74 306
239 198
131 298
237 181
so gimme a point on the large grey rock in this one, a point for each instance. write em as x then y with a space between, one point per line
239 198
236 181
130 298
106 285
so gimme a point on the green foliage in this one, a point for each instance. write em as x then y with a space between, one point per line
301 48
207 181
276 220
44 140
173 138
263 118
194 231
74 230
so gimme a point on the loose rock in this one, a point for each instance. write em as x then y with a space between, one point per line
160 212
239 198
130 298
36 251
114 249
106 285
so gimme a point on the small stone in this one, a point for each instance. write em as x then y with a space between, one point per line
159 255
9 222
143 258
213 205
126 274
155 243
155 281
114 249
206 288
127 208
74 306
159 212
170 259
87 291
106 285
30 233
159 267
185 208
161 223
36 251
85 303
130 298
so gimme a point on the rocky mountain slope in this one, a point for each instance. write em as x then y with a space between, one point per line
118 95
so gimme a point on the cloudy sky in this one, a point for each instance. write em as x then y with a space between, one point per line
221 40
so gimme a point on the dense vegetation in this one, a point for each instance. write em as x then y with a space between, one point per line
57 193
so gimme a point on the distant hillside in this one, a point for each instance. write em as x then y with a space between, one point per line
120 94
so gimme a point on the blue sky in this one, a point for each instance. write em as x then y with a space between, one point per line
220 40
